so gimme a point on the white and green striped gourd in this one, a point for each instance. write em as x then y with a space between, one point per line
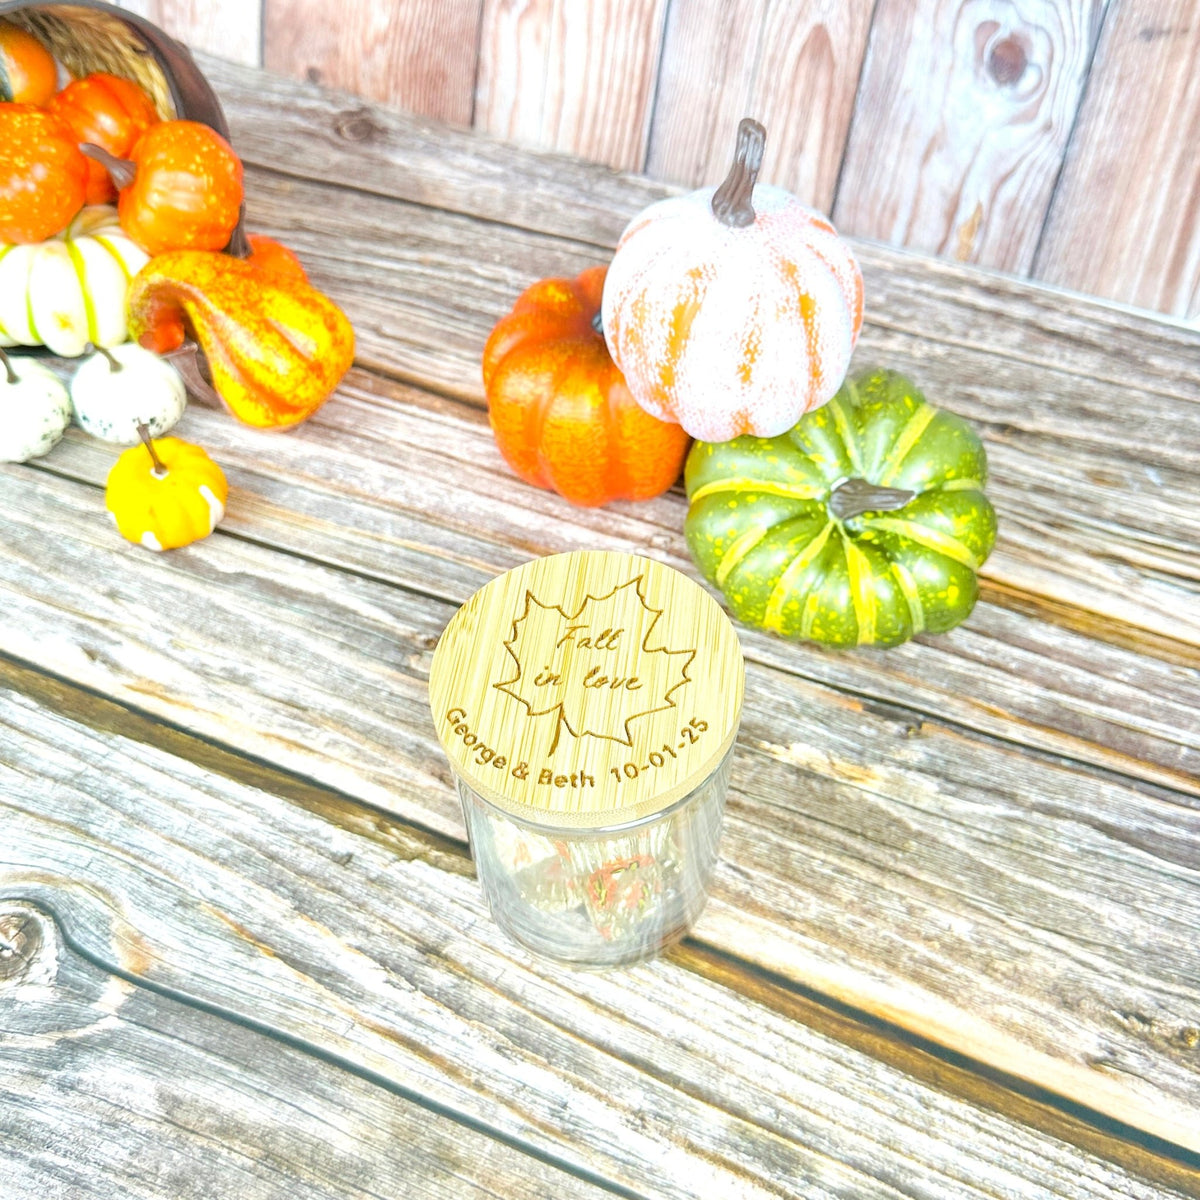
70 289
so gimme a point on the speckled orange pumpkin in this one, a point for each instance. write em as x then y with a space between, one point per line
42 174
561 413
733 310
186 191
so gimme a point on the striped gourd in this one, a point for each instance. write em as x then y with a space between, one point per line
863 525
69 290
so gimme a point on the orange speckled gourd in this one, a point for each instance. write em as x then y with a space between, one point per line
276 347
560 411
165 493
733 310
42 174
108 112
186 192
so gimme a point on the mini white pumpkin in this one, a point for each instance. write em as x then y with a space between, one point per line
117 390
34 409
69 290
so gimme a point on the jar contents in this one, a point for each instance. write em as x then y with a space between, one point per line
605 897
588 704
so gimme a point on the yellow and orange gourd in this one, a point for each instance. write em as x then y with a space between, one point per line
732 310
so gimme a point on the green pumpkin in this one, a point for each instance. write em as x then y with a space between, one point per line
863 525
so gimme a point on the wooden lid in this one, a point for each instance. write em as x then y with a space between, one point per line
587 690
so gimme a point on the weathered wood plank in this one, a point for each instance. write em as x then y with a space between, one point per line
794 69
409 489
668 1084
1125 221
228 28
900 867
300 130
574 77
962 121
109 1088
419 55
424 287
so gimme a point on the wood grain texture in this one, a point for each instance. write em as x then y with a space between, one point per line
112 1089
911 870
793 67
418 55
374 484
569 76
1125 221
663 1082
230 29
962 120
294 129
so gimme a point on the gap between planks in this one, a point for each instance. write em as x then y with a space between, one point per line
1157 1160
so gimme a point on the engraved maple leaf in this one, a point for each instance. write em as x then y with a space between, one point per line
597 668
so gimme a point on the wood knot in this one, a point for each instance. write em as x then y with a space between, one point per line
20 942
1007 61
357 126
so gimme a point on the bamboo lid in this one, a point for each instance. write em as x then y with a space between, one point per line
587 690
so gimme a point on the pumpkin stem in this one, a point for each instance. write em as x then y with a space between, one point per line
731 202
186 360
160 472
853 497
598 323
121 170
113 365
10 374
239 244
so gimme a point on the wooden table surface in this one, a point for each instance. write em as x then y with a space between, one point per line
953 948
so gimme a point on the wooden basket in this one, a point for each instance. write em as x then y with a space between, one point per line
88 35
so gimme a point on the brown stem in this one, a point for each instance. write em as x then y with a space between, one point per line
853 497
113 365
731 203
239 244
143 429
9 373
186 360
123 172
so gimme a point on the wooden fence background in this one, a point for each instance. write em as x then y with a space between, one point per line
1058 139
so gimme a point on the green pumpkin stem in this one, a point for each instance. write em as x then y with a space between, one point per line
853 497
160 472
120 170
731 203
10 374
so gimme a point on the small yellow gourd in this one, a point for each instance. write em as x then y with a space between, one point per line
165 493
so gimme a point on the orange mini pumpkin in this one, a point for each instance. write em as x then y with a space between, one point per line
108 112
733 310
28 74
181 188
42 174
560 411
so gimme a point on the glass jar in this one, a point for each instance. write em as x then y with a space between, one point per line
588 704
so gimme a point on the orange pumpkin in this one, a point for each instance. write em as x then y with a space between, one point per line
560 411
27 71
108 112
733 310
274 258
42 174
181 188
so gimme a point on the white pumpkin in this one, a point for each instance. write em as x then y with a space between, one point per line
69 290
120 388
34 409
